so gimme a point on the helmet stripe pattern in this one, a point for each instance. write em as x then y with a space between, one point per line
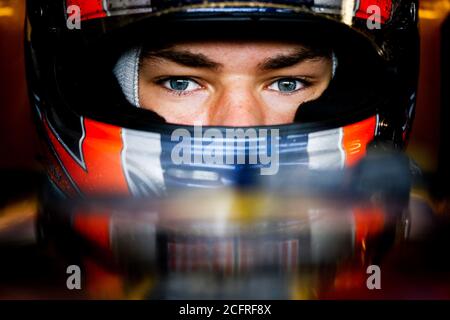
125 161
356 137
325 142
347 10
101 148
141 161
89 9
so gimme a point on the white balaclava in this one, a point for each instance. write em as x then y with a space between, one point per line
126 71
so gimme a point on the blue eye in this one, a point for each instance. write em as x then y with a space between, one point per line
180 84
287 85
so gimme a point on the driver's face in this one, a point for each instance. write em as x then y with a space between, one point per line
225 83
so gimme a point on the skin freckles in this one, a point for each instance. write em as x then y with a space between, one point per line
225 83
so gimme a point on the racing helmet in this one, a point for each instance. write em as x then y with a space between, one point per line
83 58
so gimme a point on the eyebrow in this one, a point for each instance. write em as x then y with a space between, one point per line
289 60
198 60
185 58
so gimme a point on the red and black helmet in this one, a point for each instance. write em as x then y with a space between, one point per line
97 141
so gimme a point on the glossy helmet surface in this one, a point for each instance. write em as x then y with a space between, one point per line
96 141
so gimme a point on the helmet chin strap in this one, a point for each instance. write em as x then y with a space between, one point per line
126 71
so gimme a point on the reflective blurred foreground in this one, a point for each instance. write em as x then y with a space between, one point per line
302 235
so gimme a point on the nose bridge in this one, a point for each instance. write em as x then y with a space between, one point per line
237 104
